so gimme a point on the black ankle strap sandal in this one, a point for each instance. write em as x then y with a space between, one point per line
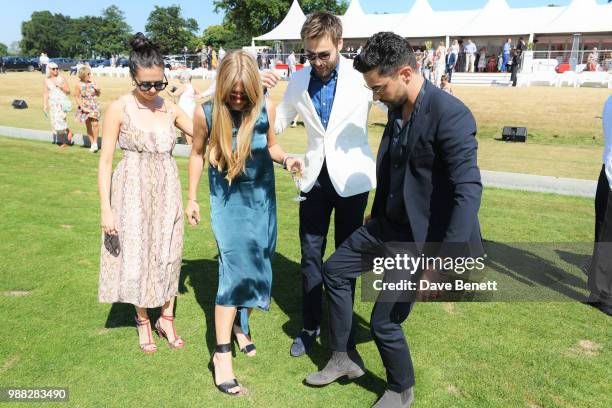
227 385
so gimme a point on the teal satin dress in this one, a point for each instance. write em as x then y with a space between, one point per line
243 219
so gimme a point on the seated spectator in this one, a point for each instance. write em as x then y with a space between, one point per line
445 84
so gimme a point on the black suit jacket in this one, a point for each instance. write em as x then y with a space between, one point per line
442 187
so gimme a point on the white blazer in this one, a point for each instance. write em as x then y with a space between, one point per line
344 145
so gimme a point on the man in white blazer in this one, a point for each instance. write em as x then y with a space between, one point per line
330 97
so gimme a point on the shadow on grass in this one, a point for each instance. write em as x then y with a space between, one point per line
287 293
528 268
203 277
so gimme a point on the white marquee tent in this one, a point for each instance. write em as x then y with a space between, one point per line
496 18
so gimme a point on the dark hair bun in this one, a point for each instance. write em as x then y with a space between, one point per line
140 43
145 54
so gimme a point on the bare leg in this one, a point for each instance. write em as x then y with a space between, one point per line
89 132
224 319
95 129
61 139
144 331
166 322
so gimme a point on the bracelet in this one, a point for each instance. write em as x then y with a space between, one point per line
192 199
285 162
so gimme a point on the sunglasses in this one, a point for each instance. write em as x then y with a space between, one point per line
54 69
236 95
323 56
147 85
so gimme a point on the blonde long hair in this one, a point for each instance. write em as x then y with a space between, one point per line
236 67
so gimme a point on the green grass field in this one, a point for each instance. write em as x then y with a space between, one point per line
465 354
565 135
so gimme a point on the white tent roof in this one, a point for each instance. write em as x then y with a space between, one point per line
496 18
488 20
581 16
354 22
290 27
422 21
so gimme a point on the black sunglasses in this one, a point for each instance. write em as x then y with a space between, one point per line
323 56
146 86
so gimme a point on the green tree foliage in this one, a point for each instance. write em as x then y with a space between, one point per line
224 35
62 36
14 48
171 31
3 49
113 32
45 32
256 17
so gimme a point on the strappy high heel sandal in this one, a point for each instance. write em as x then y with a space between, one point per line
150 347
228 385
249 347
178 341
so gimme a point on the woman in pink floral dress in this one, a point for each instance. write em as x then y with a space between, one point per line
88 110
141 204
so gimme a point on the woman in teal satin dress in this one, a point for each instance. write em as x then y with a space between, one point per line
241 149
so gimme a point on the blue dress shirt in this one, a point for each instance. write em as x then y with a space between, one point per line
322 94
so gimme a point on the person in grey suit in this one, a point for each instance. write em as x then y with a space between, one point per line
429 191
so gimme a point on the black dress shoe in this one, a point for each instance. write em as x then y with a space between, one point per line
303 342
607 309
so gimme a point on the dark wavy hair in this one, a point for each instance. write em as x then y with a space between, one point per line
386 52
145 54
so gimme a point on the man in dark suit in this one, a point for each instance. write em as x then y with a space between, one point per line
429 191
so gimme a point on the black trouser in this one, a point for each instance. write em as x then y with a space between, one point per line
340 270
449 72
315 215
600 273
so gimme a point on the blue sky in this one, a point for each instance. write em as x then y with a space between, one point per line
137 11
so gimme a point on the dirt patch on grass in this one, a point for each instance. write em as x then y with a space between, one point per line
586 348
449 307
66 226
9 363
453 390
16 293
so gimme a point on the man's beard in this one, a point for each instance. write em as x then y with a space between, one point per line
327 68
394 105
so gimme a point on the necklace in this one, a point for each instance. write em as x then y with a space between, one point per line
153 109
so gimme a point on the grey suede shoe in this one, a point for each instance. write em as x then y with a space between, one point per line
339 365
392 399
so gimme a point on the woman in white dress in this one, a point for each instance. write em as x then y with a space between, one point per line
56 104
439 63
482 60
187 95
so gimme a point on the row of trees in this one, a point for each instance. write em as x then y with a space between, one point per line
108 33
60 35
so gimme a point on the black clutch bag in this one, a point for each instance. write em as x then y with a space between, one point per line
111 243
